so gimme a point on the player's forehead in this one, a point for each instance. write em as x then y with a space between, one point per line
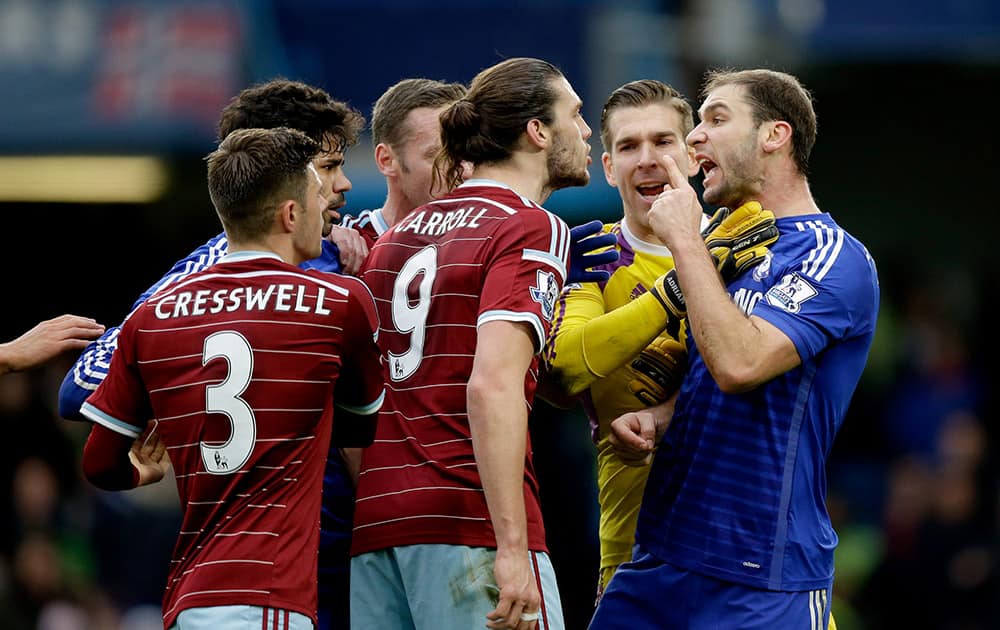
566 96
326 157
651 119
422 124
730 97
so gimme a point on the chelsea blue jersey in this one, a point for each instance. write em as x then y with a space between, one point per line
737 489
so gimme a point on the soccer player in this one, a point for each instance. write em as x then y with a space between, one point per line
622 360
406 132
336 126
237 370
733 530
448 530
407 137
46 341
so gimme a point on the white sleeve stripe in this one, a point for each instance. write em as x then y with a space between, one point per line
122 428
546 258
365 410
829 242
814 251
833 256
511 316
827 239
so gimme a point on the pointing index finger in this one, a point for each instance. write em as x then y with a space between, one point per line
674 175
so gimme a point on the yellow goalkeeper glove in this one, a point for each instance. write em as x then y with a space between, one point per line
667 290
657 372
738 239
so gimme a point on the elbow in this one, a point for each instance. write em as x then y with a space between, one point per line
71 398
735 377
563 382
106 477
478 391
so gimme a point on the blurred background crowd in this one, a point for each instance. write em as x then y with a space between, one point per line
108 106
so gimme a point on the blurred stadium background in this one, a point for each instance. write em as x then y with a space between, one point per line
108 106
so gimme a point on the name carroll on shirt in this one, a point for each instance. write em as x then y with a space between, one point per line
274 297
437 223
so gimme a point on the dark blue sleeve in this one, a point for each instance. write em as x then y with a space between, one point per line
92 365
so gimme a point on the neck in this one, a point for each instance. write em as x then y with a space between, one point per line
786 193
640 231
280 246
397 205
526 173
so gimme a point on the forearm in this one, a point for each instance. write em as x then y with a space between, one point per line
585 352
6 363
727 339
498 419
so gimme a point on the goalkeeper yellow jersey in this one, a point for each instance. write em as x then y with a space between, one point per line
605 397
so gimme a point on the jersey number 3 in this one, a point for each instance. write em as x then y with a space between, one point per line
224 398
409 316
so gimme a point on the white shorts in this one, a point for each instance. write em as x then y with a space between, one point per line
438 587
241 617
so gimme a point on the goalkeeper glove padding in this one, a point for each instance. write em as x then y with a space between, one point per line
738 239
657 372
667 290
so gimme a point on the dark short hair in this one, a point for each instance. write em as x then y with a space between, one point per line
639 94
254 170
284 103
773 96
392 108
485 126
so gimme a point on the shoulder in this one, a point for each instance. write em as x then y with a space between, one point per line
358 221
819 248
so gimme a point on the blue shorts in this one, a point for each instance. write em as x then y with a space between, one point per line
650 593
240 617
438 587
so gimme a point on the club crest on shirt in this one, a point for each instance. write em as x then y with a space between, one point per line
546 292
763 270
790 293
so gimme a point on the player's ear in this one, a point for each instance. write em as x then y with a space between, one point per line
288 213
692 168
538 133
776 134
385 160
609 175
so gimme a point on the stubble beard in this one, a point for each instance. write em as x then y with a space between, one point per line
742 176
563 172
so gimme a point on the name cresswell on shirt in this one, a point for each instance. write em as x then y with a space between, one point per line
276 297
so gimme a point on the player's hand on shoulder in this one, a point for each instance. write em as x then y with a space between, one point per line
352 247
149 456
